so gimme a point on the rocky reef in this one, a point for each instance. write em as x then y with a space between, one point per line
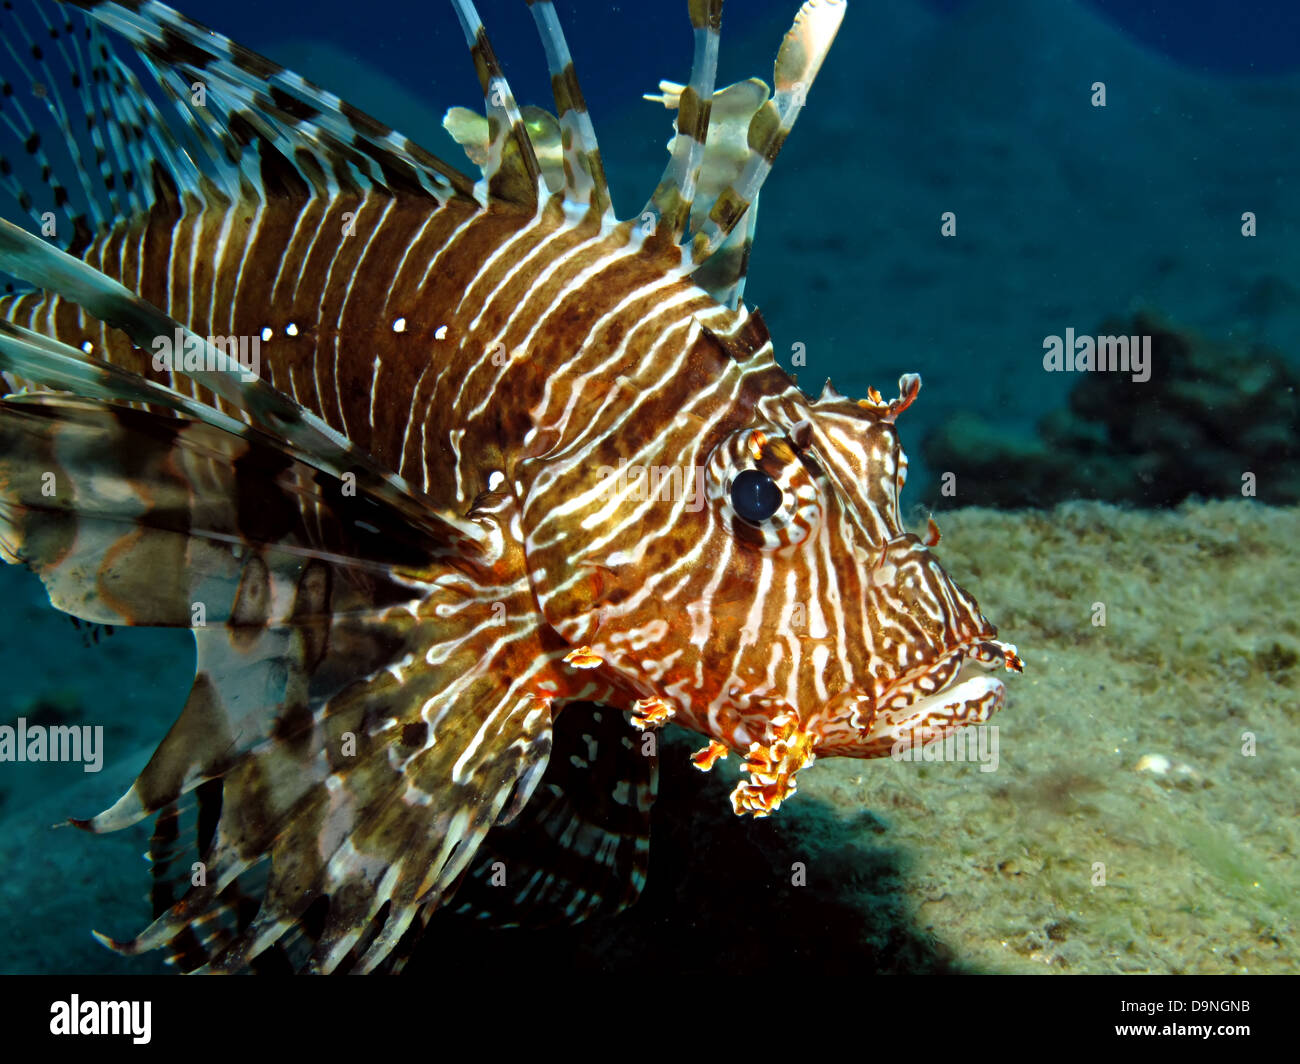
1215 419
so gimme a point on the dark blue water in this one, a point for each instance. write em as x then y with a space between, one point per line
1246 37
1251 37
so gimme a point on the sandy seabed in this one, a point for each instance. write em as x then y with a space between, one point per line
1195 667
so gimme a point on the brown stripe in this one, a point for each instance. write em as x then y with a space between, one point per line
693 115
728 209
765 134
706 13
568 94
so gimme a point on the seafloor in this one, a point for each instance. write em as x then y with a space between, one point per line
909 866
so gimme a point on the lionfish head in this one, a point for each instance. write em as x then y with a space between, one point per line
751 579
911 658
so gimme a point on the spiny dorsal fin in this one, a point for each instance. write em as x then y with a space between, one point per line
725 153
672 198
584 174
512 174
284 111
797 63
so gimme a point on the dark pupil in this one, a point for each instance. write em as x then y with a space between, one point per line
755 495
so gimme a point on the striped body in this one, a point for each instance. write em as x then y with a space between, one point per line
353 334
508 474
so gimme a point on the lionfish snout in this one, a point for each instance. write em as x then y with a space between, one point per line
930 649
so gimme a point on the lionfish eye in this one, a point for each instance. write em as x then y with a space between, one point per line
755 496
767 507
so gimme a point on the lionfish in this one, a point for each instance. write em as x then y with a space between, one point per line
433 600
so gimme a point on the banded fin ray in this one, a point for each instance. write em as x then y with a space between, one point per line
674 196
797 63
247 85
581 846
33 66
511 173
726 152
183 835
324 821
584 173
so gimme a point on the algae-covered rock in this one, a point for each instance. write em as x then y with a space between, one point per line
1215 419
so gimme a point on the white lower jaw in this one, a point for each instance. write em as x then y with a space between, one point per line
969 701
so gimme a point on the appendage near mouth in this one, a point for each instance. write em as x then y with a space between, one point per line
858 728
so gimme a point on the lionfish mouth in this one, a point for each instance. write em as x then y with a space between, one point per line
922 705
856 724
966 694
